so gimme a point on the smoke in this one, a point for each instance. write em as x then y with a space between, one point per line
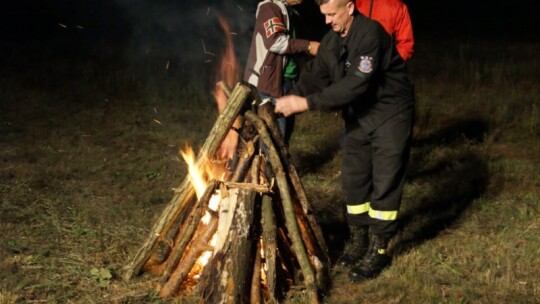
154 40
185 34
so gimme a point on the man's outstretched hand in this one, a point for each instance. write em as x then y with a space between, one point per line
291 104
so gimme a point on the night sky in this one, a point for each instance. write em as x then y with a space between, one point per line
123 30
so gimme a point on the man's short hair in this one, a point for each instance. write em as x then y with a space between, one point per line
341 2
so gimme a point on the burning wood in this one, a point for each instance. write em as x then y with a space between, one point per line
243 239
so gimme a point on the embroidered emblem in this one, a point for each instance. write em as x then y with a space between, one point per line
274 25
365 65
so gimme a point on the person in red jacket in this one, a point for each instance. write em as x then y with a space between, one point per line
393 15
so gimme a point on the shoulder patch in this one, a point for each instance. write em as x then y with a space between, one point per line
366 64
274 25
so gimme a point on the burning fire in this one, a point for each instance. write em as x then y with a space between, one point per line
195 175
199 177
228 71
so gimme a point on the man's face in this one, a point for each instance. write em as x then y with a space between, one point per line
338 15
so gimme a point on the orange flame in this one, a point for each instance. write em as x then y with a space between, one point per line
199 182
228 71
195 175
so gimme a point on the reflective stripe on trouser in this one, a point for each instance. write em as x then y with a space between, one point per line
373 170
374 214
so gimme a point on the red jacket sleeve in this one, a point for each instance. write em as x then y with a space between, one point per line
394 17
403 35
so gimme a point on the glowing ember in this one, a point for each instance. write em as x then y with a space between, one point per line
203 260
213 204
205 257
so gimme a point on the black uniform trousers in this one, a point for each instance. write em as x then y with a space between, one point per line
373 172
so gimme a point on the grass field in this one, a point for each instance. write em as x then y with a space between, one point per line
88 158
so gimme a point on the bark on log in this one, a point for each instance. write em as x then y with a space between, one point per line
255 292
244 162
249 186
225 88
186 192
227 278
269 242
185 235
197 247
290 219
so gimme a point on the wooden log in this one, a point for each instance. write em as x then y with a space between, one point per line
223 86
255 171
198 245
244 162
255 292
230 277
290 219
266 113
226 279
255 288
186 191
269 242
185 235
250 186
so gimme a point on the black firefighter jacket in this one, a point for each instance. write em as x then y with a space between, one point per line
361 74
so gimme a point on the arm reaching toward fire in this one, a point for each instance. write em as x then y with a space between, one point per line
228 147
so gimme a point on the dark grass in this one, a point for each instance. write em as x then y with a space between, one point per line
91 122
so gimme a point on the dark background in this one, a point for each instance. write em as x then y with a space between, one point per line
135 34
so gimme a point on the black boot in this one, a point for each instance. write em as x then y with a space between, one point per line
375 260
356 247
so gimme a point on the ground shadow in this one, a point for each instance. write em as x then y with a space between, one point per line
312 162
449 181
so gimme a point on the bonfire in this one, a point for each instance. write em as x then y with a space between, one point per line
245 235
241 231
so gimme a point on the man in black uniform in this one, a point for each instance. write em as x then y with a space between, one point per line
359 71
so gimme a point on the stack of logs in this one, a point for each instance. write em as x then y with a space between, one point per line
269 240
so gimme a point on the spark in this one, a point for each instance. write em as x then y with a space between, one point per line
62 25
204 49
157 121
167 65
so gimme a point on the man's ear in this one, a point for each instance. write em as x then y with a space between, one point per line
350 8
